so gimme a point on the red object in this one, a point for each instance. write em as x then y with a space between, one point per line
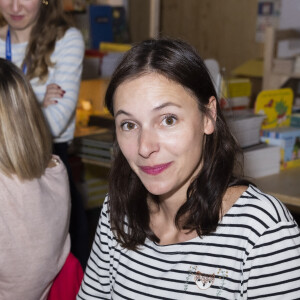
67 283
94 53
269 104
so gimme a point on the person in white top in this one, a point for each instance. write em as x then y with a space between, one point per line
179 221
35 197
39 38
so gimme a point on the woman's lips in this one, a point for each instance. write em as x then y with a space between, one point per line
155 169
16 18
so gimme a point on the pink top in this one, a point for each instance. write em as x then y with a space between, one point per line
34 239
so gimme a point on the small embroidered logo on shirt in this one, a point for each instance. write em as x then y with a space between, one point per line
192 271
204 281
222 275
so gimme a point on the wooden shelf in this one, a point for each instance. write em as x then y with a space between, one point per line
271 79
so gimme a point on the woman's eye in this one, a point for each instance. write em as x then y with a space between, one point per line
126 126
169 120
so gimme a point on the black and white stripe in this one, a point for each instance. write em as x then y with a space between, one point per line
254 254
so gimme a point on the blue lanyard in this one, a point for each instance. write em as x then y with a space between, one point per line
8 50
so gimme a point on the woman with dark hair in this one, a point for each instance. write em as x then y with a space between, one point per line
179 221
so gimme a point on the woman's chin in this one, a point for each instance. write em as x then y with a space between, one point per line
156 189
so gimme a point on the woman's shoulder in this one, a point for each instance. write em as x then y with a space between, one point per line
72 34
262 207
105 206
72 41
55 164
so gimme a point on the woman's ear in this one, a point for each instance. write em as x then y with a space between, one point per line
210 118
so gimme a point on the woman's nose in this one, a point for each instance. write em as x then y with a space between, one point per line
16 4
148 143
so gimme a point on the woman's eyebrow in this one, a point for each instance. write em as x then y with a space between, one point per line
166 104
121 111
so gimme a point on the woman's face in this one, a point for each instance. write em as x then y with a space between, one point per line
160 131
20 14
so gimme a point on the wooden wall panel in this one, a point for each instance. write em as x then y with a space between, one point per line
220 29
139 11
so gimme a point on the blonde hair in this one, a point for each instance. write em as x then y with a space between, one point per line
51 25
26 144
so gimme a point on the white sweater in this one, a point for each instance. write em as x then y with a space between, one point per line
67 56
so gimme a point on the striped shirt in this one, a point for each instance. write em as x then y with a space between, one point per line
67 57
254 254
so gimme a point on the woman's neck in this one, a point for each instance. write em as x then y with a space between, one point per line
162 215
162 223
19 36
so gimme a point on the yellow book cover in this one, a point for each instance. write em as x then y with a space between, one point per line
276 105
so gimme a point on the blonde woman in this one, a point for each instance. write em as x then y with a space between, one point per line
34 198
37 36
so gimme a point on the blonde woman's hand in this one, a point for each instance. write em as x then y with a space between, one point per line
53 91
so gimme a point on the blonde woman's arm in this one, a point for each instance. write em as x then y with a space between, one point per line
65 80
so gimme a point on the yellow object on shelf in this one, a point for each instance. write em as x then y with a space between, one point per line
239 87
251 68
114 47
276 105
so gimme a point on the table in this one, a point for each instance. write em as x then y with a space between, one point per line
285 186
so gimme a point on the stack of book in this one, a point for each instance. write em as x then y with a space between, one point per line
288 139
237 93
295 120
245 126
96 147
94 186
261 160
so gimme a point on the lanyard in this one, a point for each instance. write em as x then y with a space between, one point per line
8 50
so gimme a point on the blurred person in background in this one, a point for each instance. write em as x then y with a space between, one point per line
37 36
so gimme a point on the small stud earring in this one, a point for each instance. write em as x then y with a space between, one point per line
45 2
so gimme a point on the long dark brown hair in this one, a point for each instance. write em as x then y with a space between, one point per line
129 212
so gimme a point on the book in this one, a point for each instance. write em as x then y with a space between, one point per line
236 93
96 147
245 126
94 186
295 120
288 139
276 105
261 160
